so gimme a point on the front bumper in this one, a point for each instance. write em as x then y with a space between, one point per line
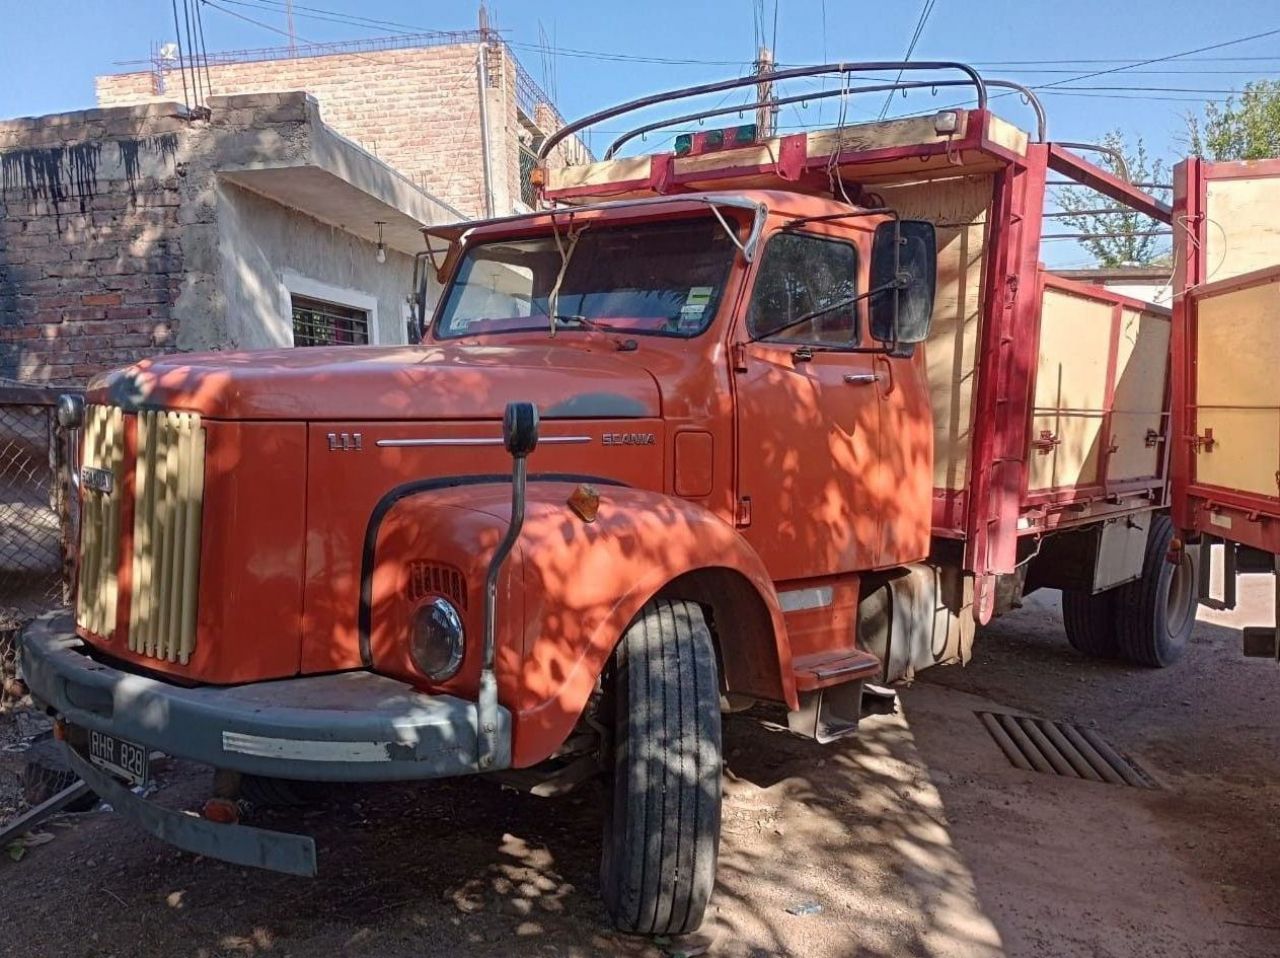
344 727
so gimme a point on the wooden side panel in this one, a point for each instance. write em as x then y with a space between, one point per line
1003 133
626 169
1242 231
1237 388
1142 372
865 137
1071 390
958 207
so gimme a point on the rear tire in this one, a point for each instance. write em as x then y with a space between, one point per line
1090 623
662 805
1155 614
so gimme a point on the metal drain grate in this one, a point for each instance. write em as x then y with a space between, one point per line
1058 748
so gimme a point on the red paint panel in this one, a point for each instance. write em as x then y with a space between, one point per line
695 464
343 489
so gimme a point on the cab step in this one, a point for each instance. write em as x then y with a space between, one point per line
831 687
823 669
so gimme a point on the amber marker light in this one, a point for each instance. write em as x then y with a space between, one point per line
585 502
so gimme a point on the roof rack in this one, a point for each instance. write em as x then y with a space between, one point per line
972 78
1042 123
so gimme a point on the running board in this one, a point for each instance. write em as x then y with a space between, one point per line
833 711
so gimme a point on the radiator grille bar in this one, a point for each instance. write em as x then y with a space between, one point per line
169 494
100 522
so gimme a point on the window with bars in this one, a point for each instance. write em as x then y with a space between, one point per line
317 323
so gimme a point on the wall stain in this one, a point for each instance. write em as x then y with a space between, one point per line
164 144
49 173
62 174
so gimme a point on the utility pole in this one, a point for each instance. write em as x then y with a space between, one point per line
767 113
288 17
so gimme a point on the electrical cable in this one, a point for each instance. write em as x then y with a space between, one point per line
915 38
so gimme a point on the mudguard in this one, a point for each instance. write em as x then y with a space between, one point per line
567 594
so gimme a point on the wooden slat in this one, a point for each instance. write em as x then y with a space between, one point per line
958 207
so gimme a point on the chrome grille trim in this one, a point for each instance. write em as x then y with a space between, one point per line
169 497
98 588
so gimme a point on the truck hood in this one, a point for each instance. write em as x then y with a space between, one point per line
387 383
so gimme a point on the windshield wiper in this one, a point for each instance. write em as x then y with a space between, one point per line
563 319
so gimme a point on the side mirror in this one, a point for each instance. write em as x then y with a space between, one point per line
70 411
520 428
904 266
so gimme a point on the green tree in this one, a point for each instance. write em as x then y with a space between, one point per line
1113 234
1245 130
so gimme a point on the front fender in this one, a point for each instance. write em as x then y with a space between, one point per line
585 582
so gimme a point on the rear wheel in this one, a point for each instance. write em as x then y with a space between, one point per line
662 807
1155 614
1089 621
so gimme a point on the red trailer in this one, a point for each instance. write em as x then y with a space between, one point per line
1226 392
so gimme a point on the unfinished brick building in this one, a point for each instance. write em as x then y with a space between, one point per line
140 229
250 214
456 113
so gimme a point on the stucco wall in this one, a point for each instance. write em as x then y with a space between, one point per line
261 242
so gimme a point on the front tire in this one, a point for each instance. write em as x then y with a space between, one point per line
662 807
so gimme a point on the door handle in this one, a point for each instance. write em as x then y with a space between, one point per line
861 379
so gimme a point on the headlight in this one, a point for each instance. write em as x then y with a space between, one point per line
436 644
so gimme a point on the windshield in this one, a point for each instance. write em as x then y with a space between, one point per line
661 279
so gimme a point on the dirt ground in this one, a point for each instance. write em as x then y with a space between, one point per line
917 839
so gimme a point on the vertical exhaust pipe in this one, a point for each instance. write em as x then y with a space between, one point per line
520 437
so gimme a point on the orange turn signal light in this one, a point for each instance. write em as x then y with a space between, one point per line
585 502
223 811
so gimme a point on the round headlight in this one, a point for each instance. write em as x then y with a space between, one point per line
436 645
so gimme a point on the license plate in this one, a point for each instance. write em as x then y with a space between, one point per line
131 762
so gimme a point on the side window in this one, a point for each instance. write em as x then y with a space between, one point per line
802 290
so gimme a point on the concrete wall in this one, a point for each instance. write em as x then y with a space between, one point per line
262 244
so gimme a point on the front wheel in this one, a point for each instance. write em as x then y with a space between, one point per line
662 807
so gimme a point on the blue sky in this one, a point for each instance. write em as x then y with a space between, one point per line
50 51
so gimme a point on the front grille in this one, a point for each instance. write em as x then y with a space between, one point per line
436 578
169 495
100 511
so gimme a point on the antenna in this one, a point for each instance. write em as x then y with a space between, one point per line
288 19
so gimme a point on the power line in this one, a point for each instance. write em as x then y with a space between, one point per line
915 38
1172 56
267 26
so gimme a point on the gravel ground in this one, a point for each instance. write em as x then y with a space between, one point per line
918 838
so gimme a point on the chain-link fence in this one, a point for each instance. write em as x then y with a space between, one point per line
35 505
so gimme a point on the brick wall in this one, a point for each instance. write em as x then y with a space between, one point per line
90 259
109 229
416 109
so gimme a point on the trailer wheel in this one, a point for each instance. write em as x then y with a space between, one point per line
662 804
1089 621
1155 613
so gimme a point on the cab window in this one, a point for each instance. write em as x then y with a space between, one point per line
802 290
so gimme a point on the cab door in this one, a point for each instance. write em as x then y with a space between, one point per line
808 413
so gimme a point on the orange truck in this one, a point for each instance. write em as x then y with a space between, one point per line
762 418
